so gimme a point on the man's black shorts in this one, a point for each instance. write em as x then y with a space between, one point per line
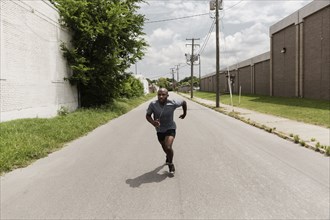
161 135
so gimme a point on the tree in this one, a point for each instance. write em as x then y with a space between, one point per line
132 87
186 81
165 83
106 40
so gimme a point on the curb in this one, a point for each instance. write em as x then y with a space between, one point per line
285 136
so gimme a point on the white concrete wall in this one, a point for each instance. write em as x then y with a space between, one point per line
144 82
32 67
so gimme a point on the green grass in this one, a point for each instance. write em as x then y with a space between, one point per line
25 140
305 110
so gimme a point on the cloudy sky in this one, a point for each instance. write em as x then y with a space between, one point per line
244 33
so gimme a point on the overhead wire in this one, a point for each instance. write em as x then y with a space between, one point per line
202 48
233 5
222 27
212 27
207 38
158 76
190 16
224 51
172 19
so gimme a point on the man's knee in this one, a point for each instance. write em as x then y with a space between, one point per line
168 147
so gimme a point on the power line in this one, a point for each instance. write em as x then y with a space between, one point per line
233 5
172 19
190 16
217 101
207 38
158 76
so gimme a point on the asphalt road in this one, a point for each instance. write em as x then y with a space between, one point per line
225 169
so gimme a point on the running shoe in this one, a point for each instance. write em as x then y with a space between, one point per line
171 168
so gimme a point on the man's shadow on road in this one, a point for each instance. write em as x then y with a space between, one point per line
149 177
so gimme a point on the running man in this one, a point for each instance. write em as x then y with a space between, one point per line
163 111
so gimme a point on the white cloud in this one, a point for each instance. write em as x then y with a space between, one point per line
244 32
163 36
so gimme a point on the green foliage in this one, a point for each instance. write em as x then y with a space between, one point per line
187 81
132 87
164 83
185 84
63 111
327 151
106 40
304 110
302 143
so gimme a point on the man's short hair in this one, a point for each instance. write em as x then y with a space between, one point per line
163 89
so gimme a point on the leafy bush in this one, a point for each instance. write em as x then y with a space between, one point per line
107 38
132 87
327 151
296 138
63 111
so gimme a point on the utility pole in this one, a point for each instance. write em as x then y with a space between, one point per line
177 73
192 58
217 5
217 54
199 57
172 72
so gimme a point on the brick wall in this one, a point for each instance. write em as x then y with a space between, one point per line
316 66
252 78
223 83
284 63
32 66
234 74
245 79
213 86
261 78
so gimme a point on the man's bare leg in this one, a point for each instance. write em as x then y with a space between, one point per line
169 152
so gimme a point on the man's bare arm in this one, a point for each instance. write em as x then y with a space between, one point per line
184 107
155 123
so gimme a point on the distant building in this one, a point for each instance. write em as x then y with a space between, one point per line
144 81
153 88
